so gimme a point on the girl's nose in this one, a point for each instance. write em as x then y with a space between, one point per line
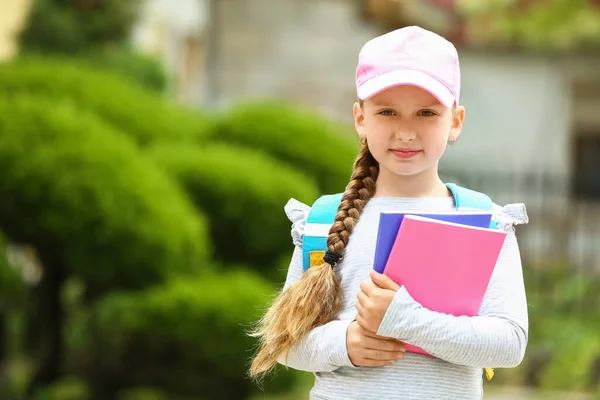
405 135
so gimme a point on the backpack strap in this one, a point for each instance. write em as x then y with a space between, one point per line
319 221
467 199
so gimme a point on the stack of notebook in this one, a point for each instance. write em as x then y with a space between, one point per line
444 260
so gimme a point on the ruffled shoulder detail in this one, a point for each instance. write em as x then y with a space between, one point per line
508 216
297 212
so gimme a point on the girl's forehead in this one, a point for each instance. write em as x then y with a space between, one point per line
405 95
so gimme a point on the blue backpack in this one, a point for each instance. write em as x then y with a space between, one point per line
324 209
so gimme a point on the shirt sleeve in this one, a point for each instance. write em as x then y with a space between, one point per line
497 337
323 349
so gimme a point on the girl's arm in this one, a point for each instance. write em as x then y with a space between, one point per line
323 349
497 337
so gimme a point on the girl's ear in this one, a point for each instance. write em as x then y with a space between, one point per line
359 120
458 117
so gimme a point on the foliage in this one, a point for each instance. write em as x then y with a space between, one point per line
82 193
73 26
563 351
12 285
68 388
148 393
243 192
140 68
555 25
187 337
142 115
323 150
572 367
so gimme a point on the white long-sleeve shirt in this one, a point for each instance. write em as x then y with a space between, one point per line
460 346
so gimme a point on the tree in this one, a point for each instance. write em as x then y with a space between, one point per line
75 26
322 149
253 231
187 337
530 25
93 207
97 32
144 116
546 26
12 290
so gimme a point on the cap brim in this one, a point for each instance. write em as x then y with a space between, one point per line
406 77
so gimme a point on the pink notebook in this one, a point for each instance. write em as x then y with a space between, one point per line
445 266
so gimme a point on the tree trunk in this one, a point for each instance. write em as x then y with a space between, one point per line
3 347
3 337
48 314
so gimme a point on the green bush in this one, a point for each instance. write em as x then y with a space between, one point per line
574 360
68 388
324 150
90 201
188 337
73 26
564 344
144 116
243 192
138 67
147 393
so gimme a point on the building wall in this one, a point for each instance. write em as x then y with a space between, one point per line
174 32
12 16
517 114
301 50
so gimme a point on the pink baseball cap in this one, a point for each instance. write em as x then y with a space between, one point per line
409 56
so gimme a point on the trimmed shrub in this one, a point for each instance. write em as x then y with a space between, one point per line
141 68
68 388
322 149
148 393
243 192
563 351
87 199
73 26
186 338
576 352
142 115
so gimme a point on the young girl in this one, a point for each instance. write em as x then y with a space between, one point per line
348 324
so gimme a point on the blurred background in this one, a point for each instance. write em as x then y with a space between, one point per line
147 148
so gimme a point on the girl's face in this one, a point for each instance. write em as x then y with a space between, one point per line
407 129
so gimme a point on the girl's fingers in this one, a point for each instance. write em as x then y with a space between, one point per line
383 355
376 363
362 298
384 345
360 308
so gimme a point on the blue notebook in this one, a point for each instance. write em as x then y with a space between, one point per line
390 221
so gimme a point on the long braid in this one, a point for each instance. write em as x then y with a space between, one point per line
316 298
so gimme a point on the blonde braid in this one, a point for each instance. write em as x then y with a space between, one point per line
316 298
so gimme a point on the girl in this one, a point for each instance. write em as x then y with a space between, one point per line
346 323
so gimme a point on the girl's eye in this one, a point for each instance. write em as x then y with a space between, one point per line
426 113
387 112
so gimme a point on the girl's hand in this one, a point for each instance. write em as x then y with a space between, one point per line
374 299
366 349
